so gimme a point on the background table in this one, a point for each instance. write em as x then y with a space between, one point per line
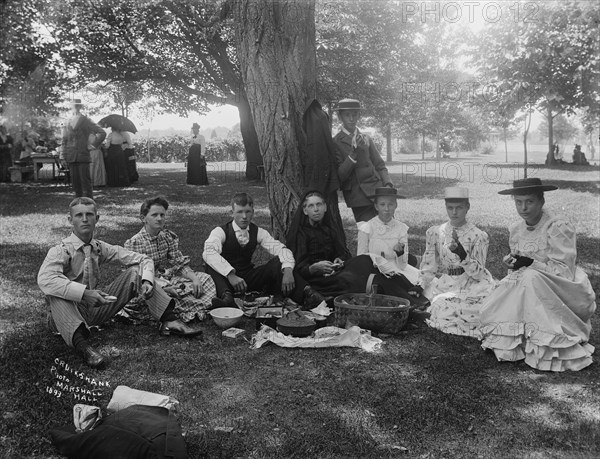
43 160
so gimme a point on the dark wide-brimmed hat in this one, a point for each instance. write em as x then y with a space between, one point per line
348 104
528 186
386 191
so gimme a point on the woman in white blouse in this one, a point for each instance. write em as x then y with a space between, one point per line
385 236
541 310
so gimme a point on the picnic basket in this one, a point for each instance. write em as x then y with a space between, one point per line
378 313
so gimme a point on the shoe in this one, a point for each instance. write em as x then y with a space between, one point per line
312 298
92 357
179 328
226 301
419 302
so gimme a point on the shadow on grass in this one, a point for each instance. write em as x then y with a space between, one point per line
430 393
580 187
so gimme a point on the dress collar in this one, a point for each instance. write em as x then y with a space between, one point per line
145 233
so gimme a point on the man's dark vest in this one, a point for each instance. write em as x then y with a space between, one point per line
239 257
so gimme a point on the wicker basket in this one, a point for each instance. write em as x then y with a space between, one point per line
378 313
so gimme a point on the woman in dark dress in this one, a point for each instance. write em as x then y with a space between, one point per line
196 163
6 144
326 264
116 166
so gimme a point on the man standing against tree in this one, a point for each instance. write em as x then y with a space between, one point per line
360 167
75 148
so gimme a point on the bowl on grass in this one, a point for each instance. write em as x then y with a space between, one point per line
226 317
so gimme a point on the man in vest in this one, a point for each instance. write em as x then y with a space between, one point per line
228 255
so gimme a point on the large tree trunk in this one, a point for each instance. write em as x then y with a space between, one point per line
550 156
250 139
275 43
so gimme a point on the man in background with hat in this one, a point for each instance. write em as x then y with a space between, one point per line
360 167
75 144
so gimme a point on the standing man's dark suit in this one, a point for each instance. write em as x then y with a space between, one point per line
359 177
76 133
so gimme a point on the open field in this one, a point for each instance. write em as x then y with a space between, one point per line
424 394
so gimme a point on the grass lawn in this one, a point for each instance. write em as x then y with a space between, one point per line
424 394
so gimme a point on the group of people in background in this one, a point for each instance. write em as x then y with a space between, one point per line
88 164
540 312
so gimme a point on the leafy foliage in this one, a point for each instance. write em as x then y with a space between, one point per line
175 149
548 60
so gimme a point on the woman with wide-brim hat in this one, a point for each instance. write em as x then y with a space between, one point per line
453 268
541 310
360 167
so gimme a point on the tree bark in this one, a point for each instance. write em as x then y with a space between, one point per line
275 43
250 139
505 146
388 143
550 156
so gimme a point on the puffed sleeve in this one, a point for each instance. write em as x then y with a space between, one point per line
562 251
364 232
430 260
474 263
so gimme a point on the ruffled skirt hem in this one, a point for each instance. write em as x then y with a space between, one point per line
540 350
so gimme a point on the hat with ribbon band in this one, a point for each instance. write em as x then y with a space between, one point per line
386 191
528 186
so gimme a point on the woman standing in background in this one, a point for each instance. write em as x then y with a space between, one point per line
6 144
116 166
196 162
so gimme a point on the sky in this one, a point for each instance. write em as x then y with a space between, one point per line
223 115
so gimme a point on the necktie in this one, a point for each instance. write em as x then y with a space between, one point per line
243 237
89 269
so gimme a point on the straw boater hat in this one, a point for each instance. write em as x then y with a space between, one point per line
528 186
348 104
386 191
456 192
77 102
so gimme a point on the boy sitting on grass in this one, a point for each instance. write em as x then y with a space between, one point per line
228 255
69 276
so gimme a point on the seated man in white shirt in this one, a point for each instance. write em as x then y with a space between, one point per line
228 255
69 277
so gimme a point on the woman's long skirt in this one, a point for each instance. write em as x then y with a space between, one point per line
97 169
131 165
196 167
116 167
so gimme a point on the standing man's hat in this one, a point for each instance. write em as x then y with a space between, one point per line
456 192
348 104
76 102
528 186
386 191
